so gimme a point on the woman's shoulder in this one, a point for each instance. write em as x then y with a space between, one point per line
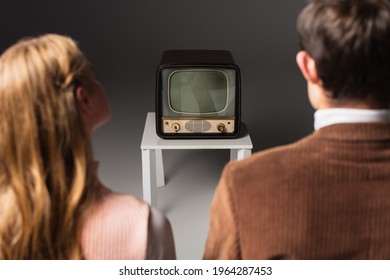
112 203
116 227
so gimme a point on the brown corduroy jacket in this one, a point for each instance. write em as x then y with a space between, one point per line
326 196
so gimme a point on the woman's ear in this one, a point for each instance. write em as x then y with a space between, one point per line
83 99
308 67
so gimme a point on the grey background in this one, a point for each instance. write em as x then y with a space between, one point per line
125 40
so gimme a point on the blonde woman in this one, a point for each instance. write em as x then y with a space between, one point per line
52 204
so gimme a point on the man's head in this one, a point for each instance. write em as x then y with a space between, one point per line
346 50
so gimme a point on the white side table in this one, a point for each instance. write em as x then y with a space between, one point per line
152 161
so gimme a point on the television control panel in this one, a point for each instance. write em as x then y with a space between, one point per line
179 125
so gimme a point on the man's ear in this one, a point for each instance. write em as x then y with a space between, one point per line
83 99
308 67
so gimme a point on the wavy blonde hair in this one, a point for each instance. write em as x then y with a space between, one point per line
45 153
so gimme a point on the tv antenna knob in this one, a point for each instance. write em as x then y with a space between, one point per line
221 127
176 127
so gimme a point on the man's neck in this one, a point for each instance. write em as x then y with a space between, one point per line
323 99
353 104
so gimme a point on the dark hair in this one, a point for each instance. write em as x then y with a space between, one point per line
350 42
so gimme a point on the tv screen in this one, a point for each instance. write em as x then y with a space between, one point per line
198 91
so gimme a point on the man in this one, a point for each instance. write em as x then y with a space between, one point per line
326 196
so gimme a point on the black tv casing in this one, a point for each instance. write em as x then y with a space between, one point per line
197 59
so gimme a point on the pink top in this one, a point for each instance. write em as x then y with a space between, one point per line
116 227
123 227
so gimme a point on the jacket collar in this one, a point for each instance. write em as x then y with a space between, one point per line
374 131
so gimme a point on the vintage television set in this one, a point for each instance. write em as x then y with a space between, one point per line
198 95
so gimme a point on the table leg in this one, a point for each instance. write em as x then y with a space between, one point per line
243 153
233 154
237 154
149 176
160 179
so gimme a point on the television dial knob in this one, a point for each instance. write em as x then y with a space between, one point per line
221 127
176 127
